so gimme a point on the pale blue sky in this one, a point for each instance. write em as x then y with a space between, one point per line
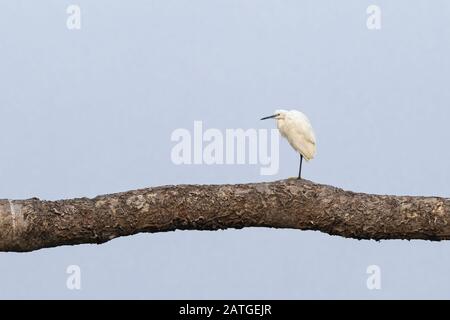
90 112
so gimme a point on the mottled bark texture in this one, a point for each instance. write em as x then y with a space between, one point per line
27 225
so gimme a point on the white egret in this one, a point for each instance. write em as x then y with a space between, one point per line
296 128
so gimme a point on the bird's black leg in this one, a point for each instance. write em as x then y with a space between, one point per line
300 170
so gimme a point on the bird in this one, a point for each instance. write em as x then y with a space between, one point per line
297 129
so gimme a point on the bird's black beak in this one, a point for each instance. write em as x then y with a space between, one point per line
269 117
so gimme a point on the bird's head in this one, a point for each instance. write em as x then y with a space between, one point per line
279 115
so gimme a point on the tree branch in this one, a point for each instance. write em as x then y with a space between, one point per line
27 225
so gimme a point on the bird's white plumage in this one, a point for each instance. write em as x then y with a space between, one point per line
296 128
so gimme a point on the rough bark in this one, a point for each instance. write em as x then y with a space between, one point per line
27 225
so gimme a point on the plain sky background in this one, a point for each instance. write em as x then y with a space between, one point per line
90 112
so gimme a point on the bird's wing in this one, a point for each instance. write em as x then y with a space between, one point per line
301 137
